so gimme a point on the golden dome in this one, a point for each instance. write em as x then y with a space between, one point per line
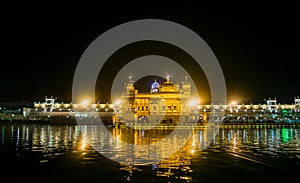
167 87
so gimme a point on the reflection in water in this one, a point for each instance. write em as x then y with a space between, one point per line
255 145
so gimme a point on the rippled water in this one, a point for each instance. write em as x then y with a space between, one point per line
66 153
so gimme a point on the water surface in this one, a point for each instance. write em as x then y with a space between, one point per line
61 153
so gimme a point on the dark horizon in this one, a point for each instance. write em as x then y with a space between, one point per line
256 45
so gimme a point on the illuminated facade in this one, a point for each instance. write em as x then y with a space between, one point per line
163 101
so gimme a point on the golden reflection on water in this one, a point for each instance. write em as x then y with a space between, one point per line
176 166
250 144
50 138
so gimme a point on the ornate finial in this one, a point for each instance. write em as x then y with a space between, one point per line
130 79
168 78
186 79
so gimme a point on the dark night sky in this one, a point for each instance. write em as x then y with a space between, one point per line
256 44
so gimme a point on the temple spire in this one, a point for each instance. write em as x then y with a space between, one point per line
130 79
